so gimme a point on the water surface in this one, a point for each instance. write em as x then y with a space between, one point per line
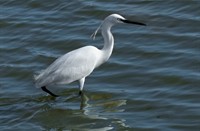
151 81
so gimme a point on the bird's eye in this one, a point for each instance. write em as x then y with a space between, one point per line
118 19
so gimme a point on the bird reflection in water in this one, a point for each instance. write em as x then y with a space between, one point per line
55 113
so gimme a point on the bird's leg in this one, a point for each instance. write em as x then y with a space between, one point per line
80 93
81 84
46 90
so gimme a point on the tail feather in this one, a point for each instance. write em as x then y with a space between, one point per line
36 77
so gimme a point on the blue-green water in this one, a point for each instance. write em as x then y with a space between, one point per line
151 81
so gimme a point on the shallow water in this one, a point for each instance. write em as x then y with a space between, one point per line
151 81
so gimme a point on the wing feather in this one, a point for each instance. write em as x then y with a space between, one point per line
70 67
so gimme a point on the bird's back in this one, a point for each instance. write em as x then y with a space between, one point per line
70 67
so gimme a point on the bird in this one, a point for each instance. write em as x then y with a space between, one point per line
76 65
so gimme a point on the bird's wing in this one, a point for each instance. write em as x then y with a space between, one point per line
70 67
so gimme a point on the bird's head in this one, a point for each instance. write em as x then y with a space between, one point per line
116 18
113 19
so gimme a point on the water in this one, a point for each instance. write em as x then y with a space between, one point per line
151 81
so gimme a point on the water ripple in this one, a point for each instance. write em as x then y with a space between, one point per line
151 81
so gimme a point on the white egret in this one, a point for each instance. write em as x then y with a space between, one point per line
78 64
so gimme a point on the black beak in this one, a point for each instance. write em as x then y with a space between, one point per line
132 22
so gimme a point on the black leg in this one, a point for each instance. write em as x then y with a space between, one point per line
45 89
80 93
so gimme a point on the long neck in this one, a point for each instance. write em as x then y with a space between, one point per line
108 42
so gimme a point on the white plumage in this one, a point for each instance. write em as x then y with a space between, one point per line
78 64
70 67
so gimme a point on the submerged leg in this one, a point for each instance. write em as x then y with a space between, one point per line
46 90
80 93
81 84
